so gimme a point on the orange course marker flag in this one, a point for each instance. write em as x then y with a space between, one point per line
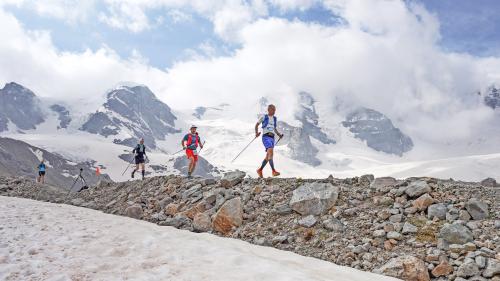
97 171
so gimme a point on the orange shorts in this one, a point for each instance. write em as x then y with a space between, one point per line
191 154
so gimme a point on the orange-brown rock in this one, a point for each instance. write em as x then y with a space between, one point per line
171 209
228 216
443 269
422 202
193 211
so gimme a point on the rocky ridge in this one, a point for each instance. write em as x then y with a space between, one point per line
413 229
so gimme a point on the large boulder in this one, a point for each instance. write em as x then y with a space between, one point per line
314 198
492 269
383 182
437 211
422 202
134 211
456 234
489 182
443 269
468 269
231 179
406 268
228 216
202 222
477 209
418 188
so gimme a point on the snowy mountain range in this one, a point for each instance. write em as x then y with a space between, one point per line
318 140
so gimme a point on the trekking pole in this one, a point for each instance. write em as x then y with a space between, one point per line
202 147
244 149
176 152
128 166
279 140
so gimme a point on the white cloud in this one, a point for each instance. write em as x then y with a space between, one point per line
385 57
179 16
70 11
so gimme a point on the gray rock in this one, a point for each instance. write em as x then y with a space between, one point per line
202 222
480 261
463 215
279 239
468 270
477 209
418 188
203 169
177 221
409 228
455 234
377 131
379 233
383 182
492 97
19 106
497 224
394 235
492 269
308 221
231 179
396 218
140 113
314 198
366 179
334 225
283 210
63 115
134 211
489 182
437 211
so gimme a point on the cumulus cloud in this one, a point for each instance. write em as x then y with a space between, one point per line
385 57
70 11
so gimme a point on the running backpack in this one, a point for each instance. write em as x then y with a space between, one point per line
190 140
266 121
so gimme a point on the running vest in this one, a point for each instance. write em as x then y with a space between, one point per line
190 144
269 125
140 149
41 167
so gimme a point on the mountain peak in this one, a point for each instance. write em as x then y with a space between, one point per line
17 89
133 111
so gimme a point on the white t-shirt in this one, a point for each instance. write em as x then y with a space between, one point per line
270 125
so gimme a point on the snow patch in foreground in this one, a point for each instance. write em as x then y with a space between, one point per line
48 241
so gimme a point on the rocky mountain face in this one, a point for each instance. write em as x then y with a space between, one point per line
492 97
203 167
131 113
63 115
18 158
19 106
200 111
412 229
377 131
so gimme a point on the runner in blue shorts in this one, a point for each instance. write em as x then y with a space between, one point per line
269 124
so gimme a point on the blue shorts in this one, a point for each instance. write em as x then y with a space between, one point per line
268 142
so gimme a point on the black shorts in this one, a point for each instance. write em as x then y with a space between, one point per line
139 160
41 173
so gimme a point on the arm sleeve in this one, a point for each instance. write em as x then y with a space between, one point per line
185 138
261 119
